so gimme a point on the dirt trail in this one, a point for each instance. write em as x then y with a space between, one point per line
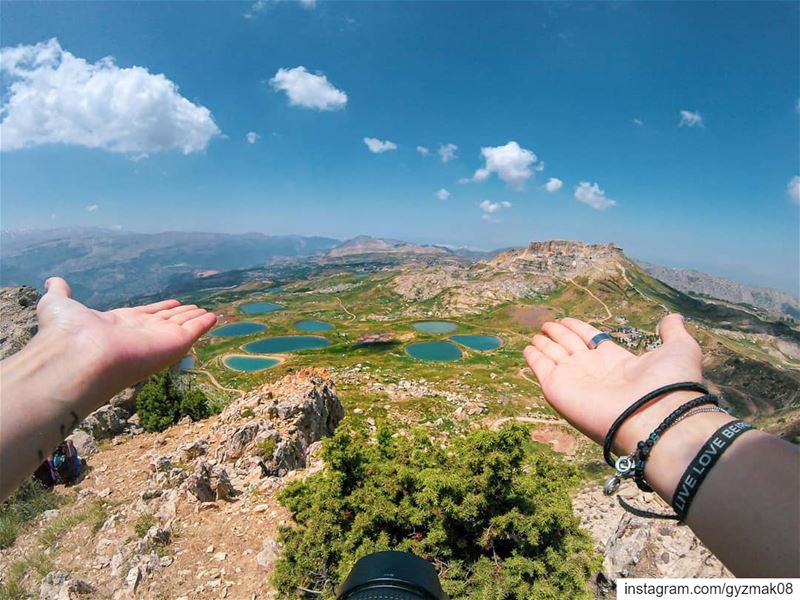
498 423
216 383
588 291
344 308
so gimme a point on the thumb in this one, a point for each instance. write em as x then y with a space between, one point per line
58 287
672 329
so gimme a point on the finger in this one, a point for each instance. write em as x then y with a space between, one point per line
586 332
566 337
672 329
157 306
200 325
538 362
188 315
167 314
58 287
550 349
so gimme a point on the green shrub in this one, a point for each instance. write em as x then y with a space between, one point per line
266 448
144 523
496 522
161 402
194 404
29 501
158 402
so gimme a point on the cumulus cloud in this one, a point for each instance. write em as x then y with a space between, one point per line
591 194
442 194
92 207
377 146
512 163
423 150
488 206
489 209
448 152
690 119
308 90
252 137
638 122
56 97
793 189
553 184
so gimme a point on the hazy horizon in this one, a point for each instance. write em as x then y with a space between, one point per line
669 128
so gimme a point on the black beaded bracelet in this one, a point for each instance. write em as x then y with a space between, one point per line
612 431
645 447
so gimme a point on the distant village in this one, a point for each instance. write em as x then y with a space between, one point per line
633 338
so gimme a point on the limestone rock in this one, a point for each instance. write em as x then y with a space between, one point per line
633 546
17 318
84 442
209 483
58 585
270 552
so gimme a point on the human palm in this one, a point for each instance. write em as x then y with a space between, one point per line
125 344
590 388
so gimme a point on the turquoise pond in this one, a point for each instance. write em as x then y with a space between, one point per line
237 329
249 364
187 362
483 343
434 351
259 308
435 327
287 343
313 326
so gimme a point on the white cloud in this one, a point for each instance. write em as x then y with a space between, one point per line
553 184
638 122
261 6
690 119
377 146
488 206
252 137
443 194
308 90
423 150
511 162
56 97
448 152
92 207
591 194
793 189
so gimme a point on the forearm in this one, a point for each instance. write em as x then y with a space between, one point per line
46 389
750 498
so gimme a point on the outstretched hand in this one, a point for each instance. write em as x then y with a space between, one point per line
590 388
127 344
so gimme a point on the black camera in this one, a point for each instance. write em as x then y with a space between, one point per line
392 576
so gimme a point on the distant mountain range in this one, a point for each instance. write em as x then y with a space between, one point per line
107 267
696 283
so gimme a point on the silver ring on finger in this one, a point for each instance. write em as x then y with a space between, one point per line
599 339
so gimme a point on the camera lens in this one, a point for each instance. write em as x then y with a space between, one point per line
392 576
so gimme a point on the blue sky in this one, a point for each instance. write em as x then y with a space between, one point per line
591 95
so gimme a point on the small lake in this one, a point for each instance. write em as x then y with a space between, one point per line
286 343
187 362
237 329
435 327
259 308
313 326
434 351
482 343
249 364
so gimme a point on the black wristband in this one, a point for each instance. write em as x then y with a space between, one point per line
703 462
646 446
612 431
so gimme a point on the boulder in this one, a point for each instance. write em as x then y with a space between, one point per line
84 442
58 585
106 422
269 555
209 483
